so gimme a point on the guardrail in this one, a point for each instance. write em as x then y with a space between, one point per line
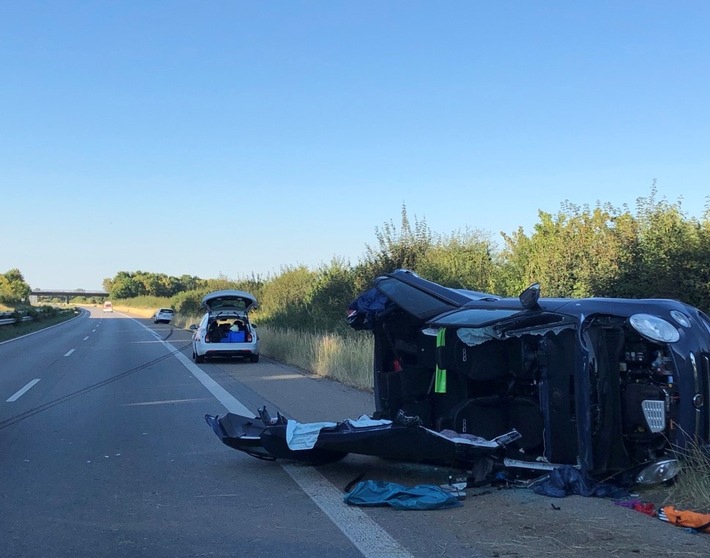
10 321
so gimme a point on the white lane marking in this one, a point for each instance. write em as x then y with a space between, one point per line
24 390
82 314
365 533
231 403
85 338
70 351
168 402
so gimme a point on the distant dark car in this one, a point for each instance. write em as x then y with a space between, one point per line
609 386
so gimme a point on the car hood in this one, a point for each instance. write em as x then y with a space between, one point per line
229 300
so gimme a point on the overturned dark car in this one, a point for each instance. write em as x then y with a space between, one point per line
613 387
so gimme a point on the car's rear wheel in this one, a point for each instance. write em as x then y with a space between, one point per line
198 358
254 358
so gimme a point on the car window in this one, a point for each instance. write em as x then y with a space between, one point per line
412 300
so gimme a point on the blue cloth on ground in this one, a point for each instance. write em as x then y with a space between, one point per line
567 480
419 497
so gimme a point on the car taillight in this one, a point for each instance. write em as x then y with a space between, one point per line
248 337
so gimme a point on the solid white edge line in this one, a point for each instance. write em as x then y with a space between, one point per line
24 390
81 314
365 533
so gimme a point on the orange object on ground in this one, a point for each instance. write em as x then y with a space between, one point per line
686 518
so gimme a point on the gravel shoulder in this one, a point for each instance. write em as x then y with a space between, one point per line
492 522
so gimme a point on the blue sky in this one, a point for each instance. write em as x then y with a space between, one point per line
231 137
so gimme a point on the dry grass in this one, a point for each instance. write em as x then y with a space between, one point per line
691 490
347 359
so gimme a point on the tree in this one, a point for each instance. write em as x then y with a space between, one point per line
579 252
402 248
462 260
331 293
287 296
13 287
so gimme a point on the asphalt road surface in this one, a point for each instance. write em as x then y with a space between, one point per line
104 451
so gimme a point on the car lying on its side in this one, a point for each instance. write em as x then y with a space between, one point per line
613 387
225 330
163 315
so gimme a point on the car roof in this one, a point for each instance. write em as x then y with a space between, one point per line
229 300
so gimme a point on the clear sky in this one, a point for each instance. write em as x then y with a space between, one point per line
233 137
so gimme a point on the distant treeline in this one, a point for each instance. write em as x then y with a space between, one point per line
655 251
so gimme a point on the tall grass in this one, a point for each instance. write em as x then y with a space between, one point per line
346 358
691 489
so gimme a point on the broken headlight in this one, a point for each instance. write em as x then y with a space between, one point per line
654 328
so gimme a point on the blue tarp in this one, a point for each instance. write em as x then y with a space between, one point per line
381 493
566 481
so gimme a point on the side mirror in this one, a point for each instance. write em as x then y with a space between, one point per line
193 327
529 297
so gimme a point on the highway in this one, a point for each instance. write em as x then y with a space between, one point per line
104 451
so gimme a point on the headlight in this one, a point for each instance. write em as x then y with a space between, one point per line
654 328
658 472
681 318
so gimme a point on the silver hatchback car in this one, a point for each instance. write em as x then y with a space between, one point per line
225 330
164 315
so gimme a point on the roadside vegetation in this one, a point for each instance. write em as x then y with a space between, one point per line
691 489
652 251
347 358
28 319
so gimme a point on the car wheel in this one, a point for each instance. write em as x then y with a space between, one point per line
199 358
254 358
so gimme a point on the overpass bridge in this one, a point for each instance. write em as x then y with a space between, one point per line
38 294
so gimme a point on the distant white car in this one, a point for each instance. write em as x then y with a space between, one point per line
163 315
108 307
225 330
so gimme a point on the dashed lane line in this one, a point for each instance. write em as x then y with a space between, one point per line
365 533
24 390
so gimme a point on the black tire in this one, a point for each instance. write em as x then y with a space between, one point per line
199 358
254 358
